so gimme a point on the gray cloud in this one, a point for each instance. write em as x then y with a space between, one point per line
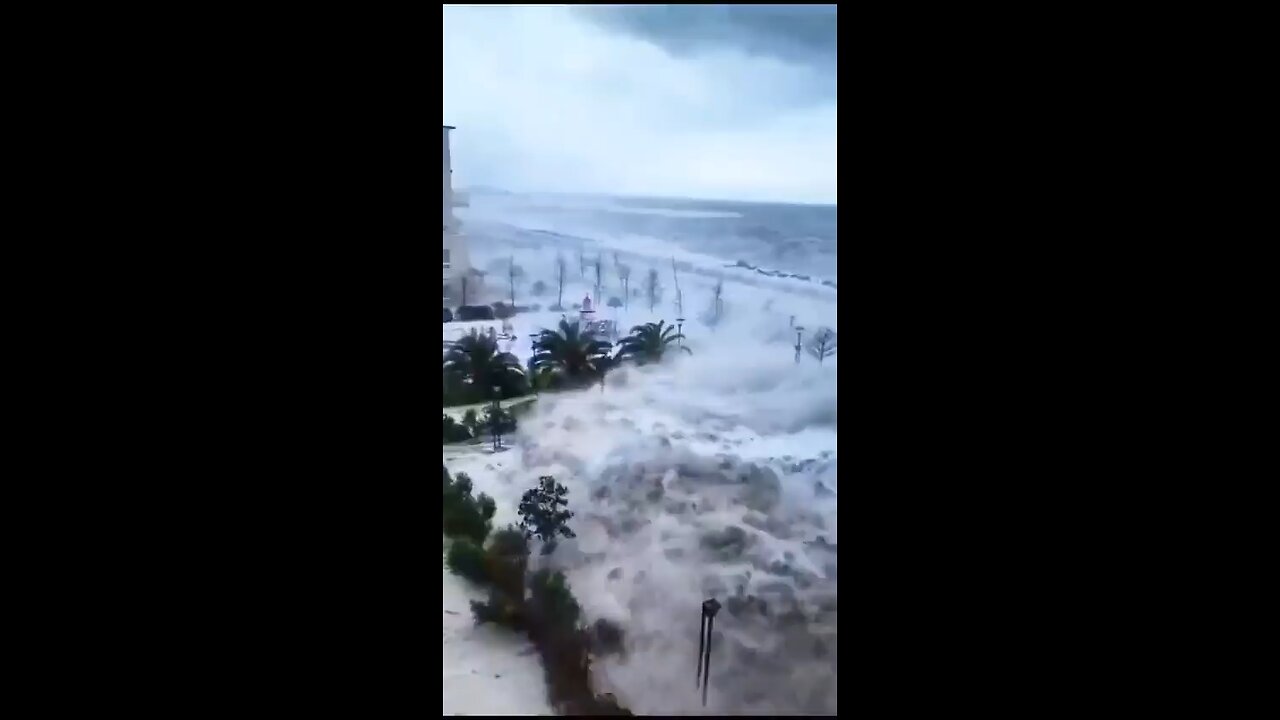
800 34
546 99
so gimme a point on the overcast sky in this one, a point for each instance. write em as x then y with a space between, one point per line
694 101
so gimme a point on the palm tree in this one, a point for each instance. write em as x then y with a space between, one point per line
571 354
647 343
474 361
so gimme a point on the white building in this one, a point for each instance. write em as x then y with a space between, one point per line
459 274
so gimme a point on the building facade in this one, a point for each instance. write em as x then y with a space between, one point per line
461 281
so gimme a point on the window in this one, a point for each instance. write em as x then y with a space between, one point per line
446 258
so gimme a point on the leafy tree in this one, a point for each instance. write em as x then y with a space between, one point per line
648 343
539 288
544 514
615 302
499 422
470 421
474 362
572 354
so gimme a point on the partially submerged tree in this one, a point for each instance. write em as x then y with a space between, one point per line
648 342
717 302
823 344
652 288
500 422
571 353
475 362
539 288
560 270
455 432
471 422
513 272
624 276
598 277
544 512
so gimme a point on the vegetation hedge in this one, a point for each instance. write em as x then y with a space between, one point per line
540 604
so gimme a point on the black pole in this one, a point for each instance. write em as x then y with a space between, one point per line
706 667
709 609
702 639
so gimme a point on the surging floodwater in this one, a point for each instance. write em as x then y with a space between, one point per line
713 474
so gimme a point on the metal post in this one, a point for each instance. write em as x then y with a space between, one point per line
497 394
680 330
709 610
799 331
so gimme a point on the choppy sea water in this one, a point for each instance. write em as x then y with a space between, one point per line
786 237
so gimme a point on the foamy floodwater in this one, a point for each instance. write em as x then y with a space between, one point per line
712 475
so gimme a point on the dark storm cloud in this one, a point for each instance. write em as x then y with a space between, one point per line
798 34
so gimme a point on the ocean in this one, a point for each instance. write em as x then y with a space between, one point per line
797 239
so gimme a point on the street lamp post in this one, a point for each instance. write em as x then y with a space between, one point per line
680 331
533 369
799 331
493 428
709 610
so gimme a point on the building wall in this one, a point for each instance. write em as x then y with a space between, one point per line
455 244
448 183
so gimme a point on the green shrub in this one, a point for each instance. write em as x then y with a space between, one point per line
507 561
607 637
465 515
509 542
548 612
551 601
467 560
455 432
500 609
